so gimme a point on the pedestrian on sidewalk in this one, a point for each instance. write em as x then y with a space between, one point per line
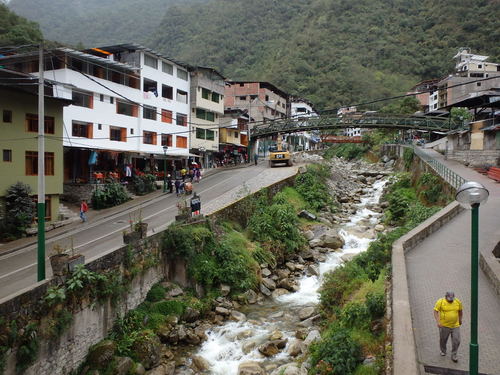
448 315
178 187
83 209
256 158
169 183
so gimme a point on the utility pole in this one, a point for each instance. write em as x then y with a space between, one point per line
41 167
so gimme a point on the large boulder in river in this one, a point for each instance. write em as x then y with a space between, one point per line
332 239
279 292
200 363
250 368
306 312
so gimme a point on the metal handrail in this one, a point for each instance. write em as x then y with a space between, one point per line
446 173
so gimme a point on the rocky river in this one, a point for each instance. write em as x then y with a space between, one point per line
276 326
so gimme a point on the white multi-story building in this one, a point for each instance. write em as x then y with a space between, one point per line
130 107
302 110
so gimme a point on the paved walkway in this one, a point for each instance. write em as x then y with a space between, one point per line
441 263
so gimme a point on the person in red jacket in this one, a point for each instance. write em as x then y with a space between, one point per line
83 210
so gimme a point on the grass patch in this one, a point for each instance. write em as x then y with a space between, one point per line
294 198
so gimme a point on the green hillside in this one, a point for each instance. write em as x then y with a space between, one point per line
332 51
15 30
95 22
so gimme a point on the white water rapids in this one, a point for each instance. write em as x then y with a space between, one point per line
235 342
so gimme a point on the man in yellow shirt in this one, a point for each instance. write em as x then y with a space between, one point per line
448 314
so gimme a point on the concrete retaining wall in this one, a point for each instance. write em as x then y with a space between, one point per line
476 158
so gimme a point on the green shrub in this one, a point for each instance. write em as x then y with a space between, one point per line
375 305
186 240
336 353
354 314
109 195
431 188
313 188
20 210
408 157
144 184
347 151
59 323
156 293
28 348
166 308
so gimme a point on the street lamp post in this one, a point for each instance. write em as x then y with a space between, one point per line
165 148
470 195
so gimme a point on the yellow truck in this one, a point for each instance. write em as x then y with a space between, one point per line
279 156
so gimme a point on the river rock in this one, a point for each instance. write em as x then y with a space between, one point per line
200 331
250 296
283 273
123 365
192 338
264 290
276 335
308 234
139 369
332 240
190 315
309 322
278 314
147 349
248 346
269 284
160 370
312 270
301 333
311 337
245 334
250 368
222 311
269 349
307 254
288 369
225 289
238 316
307 215
200 363
295 348
265 272
286 284
379 228
279 292
306 312
316 242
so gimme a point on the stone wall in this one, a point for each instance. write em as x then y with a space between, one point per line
93 321
74 193
476 158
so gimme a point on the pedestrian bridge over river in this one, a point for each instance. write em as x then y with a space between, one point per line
373 120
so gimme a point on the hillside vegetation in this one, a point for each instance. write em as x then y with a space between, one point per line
333 52
15 30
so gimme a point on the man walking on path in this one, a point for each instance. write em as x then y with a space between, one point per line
448 314
83 209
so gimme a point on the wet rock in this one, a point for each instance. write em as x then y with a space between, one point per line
269 349
269 284
347 257
286 284
123 365
308 234
307 254
101 354
250 296
312 270
265 272
191 315
200 332
384 205
316 242
306 312
248 346
324 220
288 369
301 333
290 266
200 363
332 240
225 289
238 316
250 368
192 338
307 215
311 337
181 333
309 322
147 349
295 348
245 334
264 290
160 370
222 311
379 228
283 273
278 314
276 335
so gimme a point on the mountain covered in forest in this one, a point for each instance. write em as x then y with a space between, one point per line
333 52
96 22
16 30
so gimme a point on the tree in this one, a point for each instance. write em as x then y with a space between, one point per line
19 209
460 114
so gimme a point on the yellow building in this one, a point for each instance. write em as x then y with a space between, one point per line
19 138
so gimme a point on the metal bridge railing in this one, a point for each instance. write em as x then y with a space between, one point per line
447 174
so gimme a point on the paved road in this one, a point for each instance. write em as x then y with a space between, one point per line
441 263
103 232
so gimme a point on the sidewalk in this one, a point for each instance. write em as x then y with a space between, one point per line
441 263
